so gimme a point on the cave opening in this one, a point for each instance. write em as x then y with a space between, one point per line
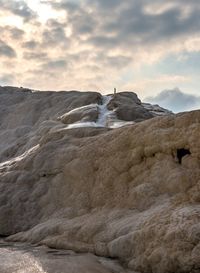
181 153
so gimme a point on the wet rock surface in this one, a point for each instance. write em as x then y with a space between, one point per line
82 114
21 258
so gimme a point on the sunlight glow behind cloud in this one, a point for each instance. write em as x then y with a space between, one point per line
44 11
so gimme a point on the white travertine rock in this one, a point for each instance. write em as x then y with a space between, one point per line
121 193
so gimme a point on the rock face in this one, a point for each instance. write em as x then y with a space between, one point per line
130 193
128 107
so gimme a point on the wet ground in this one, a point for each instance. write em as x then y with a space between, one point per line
24 258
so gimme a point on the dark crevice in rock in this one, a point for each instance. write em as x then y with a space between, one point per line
181 153
2 236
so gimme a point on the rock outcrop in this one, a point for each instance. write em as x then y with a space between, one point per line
129 108
130 193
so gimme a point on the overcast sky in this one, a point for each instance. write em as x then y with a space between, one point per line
139 45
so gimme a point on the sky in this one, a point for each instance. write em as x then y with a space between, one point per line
149 47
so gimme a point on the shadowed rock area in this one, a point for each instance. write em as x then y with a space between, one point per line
129 193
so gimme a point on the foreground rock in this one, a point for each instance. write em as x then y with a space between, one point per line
130 193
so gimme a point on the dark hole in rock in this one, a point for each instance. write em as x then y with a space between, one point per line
181 153
44 175
3 236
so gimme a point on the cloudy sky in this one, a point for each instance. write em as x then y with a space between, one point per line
139 45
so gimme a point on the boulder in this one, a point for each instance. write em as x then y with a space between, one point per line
128 107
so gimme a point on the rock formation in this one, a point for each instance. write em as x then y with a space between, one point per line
130 193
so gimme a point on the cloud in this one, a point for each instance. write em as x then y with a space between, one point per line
19 8
133 24
54 65
176 100
38 56
6 79
16 33
99 43
6 50
54 34
140 28
12 32
31 44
